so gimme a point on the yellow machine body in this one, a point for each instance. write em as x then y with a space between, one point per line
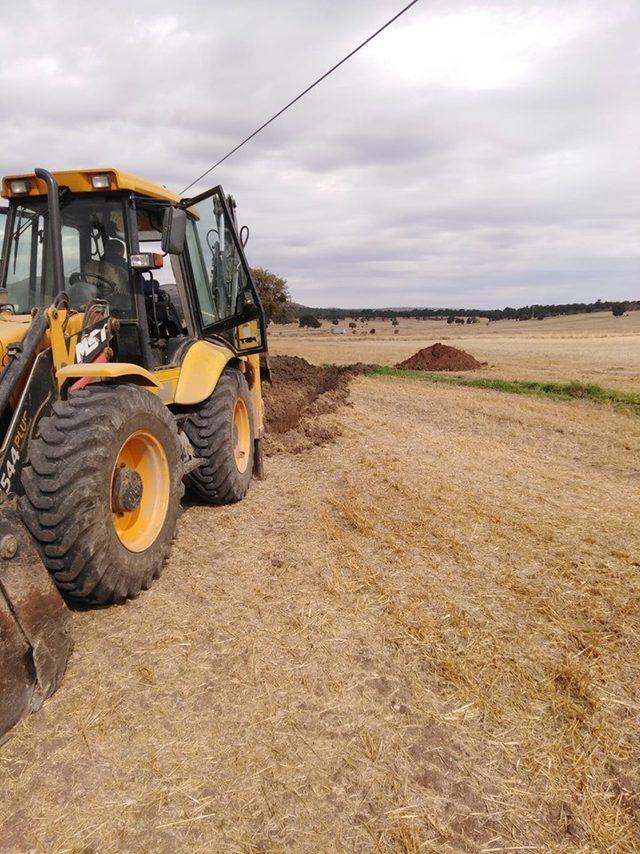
47 353
192 381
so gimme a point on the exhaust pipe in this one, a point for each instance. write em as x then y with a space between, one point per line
55 228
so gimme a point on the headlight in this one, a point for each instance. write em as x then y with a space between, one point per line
147 261
19 188
100 182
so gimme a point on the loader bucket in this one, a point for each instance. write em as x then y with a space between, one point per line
35 625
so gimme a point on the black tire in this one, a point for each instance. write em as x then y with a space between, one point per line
68 486
210 429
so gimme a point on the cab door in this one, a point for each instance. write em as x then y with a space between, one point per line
3 224
227 303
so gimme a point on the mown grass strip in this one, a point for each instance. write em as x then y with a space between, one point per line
559 391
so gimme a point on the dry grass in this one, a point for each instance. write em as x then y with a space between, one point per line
422 637
595 348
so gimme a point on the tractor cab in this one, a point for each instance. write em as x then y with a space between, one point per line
171 269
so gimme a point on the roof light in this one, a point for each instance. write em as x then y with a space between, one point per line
19 187
147 261
100 182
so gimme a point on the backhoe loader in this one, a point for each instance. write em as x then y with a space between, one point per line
130 334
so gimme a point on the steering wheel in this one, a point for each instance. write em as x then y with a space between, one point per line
106 287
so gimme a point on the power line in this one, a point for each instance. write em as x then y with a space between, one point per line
302 94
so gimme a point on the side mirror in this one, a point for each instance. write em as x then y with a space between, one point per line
174 227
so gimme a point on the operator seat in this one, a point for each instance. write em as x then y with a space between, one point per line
113 268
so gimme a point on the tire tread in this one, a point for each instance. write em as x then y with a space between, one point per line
62 481
217 480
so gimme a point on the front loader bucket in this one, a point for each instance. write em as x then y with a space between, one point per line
35 625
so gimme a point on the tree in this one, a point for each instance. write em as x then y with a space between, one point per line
275 296
310 321
335 321
618 309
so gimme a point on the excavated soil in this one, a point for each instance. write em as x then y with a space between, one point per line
299 398
441 357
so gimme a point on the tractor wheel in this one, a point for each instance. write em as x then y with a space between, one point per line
221 432
102 491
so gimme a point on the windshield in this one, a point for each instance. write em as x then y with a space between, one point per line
94 253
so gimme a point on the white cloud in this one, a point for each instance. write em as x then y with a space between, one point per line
475 154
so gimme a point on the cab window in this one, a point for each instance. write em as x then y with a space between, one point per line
165 302
217 267
94 254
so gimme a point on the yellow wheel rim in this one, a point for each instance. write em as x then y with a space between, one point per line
241 435
138 528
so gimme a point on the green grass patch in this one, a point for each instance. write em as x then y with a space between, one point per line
559 391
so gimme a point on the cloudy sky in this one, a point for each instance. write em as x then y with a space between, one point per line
475 154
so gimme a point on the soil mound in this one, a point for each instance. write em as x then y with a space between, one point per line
296 398
441 357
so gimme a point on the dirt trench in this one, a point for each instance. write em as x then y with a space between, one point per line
301 394
296 398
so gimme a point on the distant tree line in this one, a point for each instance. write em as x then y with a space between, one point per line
527 312
279 308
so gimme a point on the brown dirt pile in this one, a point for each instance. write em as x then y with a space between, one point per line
297 400
441 357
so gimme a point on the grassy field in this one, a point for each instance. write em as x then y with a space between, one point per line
628 400
420 635
595 348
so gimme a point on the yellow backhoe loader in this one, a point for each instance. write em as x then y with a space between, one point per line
130 334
